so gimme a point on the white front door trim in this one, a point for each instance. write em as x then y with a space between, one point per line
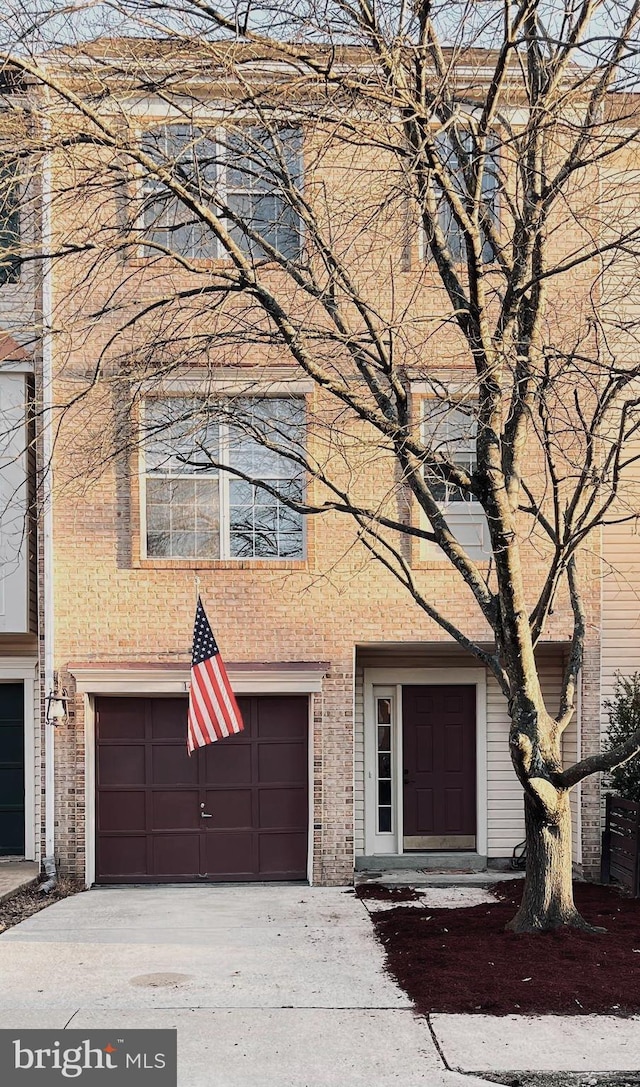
23 670
396 678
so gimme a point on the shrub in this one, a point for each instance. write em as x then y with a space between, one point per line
624 719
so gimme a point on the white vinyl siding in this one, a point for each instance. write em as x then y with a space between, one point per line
14 539
621 588
620 623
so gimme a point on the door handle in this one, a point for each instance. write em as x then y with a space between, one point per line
205 815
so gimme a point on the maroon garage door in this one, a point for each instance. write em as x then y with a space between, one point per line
235 810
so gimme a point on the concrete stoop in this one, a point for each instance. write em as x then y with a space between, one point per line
430 870
16 874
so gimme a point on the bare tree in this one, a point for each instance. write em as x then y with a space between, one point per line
427 213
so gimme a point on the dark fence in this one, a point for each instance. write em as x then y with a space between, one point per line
621 844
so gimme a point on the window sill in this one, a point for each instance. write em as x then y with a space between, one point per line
221 564
196 265
444 563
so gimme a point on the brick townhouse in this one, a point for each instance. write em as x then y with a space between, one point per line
339 676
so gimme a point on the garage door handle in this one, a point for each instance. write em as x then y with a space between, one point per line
204 815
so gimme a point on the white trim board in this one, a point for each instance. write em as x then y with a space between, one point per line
23 670
140 681
397 678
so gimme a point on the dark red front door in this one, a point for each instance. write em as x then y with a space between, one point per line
439 760
236 810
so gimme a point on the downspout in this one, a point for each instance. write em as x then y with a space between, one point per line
49 862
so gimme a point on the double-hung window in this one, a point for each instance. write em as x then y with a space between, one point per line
247 176
195 509
454 160
191 156
9 224
262 173
449 432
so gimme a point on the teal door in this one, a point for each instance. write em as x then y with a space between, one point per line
11 769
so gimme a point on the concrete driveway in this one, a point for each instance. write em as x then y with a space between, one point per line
268 986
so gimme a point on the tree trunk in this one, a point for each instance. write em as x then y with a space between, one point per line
547 902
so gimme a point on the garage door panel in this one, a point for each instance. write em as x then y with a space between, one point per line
229 809
282 718
227 762
282 808
282 763
12 739
171 765
175 854
121 718
151 794
122 765
11 780
12 830
229 853
122 810
169 719
120 857
283 853
175 809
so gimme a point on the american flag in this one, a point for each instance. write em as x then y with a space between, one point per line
213 710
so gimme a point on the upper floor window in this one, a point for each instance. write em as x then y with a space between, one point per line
195 510
450 431
246 176
9 225
457 159
192 157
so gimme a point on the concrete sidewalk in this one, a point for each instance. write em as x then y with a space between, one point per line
268 986
538 1043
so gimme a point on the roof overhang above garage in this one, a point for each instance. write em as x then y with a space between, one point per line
290 677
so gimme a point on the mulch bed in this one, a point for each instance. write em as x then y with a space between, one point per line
31 900
462 960
379 893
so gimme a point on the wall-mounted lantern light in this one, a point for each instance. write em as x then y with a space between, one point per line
57 704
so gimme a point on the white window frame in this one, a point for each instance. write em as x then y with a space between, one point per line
460 515
459 259
218 133
223 478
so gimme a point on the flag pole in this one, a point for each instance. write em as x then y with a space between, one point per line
196 581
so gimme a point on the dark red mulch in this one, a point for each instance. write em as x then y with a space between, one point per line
462 960
387 894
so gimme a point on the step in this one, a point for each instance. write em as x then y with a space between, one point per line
405 877
421 862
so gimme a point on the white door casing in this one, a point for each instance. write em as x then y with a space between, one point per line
23 670
388 682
